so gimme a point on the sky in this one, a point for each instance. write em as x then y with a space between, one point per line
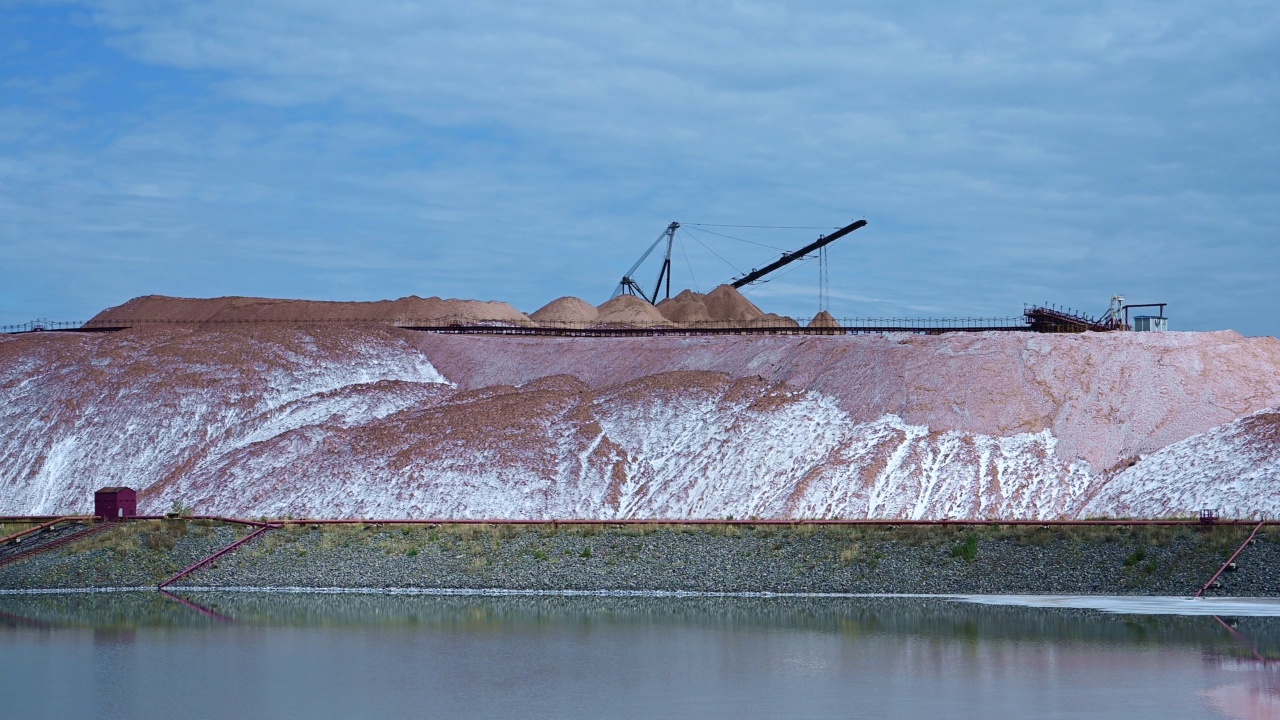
1002 153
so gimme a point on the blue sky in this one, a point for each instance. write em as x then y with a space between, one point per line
1002 152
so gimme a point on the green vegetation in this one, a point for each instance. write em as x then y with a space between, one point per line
967 549
1136 557
128 538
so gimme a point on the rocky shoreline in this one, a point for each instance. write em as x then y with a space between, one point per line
1172 561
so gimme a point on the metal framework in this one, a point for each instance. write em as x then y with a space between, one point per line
629 286
1143 305
788 258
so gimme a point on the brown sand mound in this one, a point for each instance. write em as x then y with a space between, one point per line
823 320
408 310
724 306
629 310
566 311
770 320
686 308
726 303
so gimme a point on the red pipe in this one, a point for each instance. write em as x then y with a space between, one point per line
961 523
55 544
1242 639
38 528
1231 559
216 555
198 608
676 521
239 521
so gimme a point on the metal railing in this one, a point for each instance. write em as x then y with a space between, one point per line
470 325
41 324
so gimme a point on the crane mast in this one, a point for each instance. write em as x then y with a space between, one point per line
628 284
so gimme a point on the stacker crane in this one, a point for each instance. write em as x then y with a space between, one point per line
788 258
629 286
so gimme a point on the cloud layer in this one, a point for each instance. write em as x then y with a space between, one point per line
367 150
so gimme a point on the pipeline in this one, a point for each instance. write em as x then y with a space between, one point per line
242 541
217 518
43 526
279 522
1231 559
758 521
1240 638
211 614
60 542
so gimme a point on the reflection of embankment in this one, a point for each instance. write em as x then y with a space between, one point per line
855 617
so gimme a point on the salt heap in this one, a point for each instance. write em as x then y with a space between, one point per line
687 308
406 310
772 320
722 307
823 320
566 312
629 310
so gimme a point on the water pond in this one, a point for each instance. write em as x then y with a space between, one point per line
385 655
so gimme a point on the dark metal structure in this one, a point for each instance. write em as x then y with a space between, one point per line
788 258
1052 319
845 327
629 286
36 326
1143 305
1056 320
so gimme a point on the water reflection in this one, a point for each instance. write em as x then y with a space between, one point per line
1256 699
372 655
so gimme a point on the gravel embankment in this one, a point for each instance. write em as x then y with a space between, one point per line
1144 561
135 554
792 559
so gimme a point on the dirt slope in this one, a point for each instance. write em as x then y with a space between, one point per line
406 311
365 420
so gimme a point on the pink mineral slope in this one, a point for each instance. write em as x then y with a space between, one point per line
1106 397
1234 469
367 421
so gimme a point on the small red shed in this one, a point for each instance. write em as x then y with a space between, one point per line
115 503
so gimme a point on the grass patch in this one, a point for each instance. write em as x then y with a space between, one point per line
968 550
400 542
12 528
851 553
123 539
1136 556
167 535
335 536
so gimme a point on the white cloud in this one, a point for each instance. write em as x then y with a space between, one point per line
526 151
